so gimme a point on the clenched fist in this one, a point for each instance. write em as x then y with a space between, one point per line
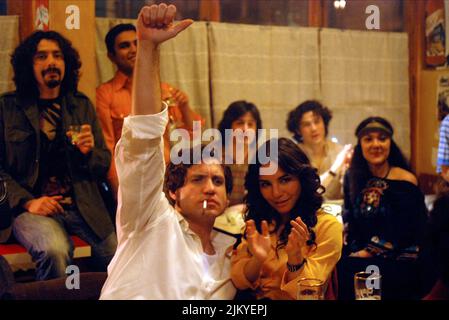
155 23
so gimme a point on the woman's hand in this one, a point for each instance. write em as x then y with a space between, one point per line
258 244
297 239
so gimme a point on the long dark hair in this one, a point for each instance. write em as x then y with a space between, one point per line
234 111
359 172
292 161
22 62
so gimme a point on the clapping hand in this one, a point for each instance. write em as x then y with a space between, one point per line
297 239
258 244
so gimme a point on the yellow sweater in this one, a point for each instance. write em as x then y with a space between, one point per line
272 280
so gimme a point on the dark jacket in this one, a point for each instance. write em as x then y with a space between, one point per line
20 154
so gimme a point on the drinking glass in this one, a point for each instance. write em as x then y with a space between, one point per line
367 286
310 289
75 130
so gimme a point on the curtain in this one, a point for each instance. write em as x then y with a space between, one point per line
273 67
365 74
8 42
185 64
355 73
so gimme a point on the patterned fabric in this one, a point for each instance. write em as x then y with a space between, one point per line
386 219
53 176
372 195
443 147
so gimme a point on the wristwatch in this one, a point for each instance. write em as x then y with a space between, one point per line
295 267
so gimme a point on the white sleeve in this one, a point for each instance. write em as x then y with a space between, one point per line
140 170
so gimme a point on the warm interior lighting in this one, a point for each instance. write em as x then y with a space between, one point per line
339 4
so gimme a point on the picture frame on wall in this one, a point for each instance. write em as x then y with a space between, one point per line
435 33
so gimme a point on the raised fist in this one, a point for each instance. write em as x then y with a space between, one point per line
155 23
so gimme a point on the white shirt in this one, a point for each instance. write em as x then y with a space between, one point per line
158 256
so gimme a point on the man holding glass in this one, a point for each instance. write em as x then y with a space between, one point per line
114 96
51 178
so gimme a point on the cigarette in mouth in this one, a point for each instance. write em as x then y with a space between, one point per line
204 204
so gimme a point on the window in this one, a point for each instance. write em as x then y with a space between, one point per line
266 12
3 10
262 12
269 12
353 15
130 8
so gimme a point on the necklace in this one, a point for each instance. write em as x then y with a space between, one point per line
384 177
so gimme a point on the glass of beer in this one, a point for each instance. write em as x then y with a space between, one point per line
310 289
367 286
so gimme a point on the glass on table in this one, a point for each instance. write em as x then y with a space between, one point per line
310 289
367 286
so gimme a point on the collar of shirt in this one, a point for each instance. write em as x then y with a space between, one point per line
120 81
219 239
184 223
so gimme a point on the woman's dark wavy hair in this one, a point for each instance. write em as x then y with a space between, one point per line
22 62
295 116
234 111
359 172
292 161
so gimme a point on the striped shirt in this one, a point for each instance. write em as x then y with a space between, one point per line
443 147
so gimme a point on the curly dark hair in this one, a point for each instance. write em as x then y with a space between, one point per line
359 172
234 111
175 174
292 161
295 116
22 62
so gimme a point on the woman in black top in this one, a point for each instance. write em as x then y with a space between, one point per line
384 210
